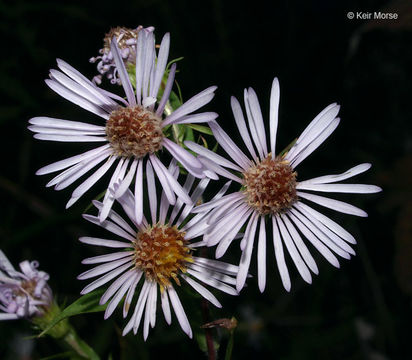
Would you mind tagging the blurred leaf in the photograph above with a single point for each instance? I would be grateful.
(64, 355)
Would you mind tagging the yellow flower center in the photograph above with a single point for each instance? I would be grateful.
(161, 251)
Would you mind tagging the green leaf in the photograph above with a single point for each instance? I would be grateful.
(64, 355)
(88, 303)
(201, 128)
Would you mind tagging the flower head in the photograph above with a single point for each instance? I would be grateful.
(271, 195)
(127, 42)
(133, 130)
(160, 253)
(23, 294)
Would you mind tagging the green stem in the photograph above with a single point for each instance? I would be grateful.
(229, 347)
(64, 333)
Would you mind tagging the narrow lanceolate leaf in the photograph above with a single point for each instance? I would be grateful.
(200, 128)
(86, 304)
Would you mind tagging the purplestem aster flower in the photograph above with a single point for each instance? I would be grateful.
(127, 42)
(160, 253)
(133, 128)
(270, 193)
(23, 294)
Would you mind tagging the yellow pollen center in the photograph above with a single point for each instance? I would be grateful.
(270, 185)
(134, 131)
(161, 251)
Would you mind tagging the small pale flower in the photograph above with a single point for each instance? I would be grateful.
(132, 131)
(25, 293)
(158, 253)
(127, 42)
(271, 195)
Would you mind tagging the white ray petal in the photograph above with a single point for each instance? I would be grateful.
(293, 252)
(116, 218)
(168, 190)
(138, 194)
(229, 146)
(230, 280)
(217, 266)
(122, 72)
(134, 321)
(241, 125)
(220, 160)
(151, 189)
(333, 204)
(107, 257)
(217, 202)
(105, 278)
(321, 236)
(329, 233)
(191, 105)
(212, 282)
(340, 188)
(229, 235)
(211, 165)
(280, 257)
(86, 83)
(195, 197)
(68, 177)
(130, 293)
(261, 255)
(104, 242)
(48, 122)
(323, 249)
(167, 90)
(202, 291)
(76, 99)
(315, 127)
(117, 284)
(303, 250)
(109, 198)
(62, 164)
(183, 156)
(119, 295)
(356, 170)
(166, 307)
(175, 186)
(80, 90)
(274, 115)
(89, 182)
(336, 228)
(179, 311)
(257, 119)
(69, 138)
(315, 143)
(124, 185)
(244, 264)
(105, 268)
(110, 226)
(149, 54)
(204, 117)
(161, 64)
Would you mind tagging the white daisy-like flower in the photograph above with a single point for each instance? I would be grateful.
(132, 132)
(156, 255)
(271, 194)
(127, 42)
(23, 294)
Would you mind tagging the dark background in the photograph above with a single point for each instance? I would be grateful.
(361, 311)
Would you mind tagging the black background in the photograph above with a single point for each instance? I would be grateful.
(361, 311)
